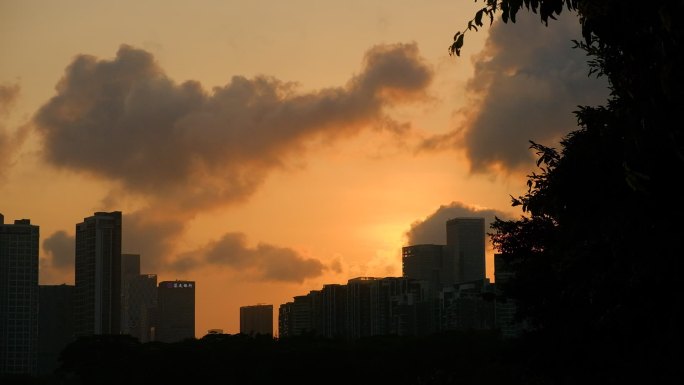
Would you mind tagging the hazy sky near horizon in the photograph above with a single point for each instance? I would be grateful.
(265, 148)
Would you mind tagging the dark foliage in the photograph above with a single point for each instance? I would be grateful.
(595, 256)
(452, 358)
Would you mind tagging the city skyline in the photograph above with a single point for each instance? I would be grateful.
(291, 148)
(116, 300)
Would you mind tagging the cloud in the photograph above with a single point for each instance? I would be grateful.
(153, 234)
(60, 246)
(8, 95)
(9, 141)
(184, 149)
(432, 229)
(264, 261)
(125, 120)
(527, 82)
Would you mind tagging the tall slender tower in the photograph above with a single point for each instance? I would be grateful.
(97, 307)
(466, 240)
(130, 270)
(18, 297)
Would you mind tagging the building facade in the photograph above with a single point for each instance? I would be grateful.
(18, 297)
(506, 320)
(285, 326)
(55, 324)
(256, 319)
(466, 242)
(428, 262)
(334, 310)
(140, 304)
(176, 311)
(130, 270)
(97, 296)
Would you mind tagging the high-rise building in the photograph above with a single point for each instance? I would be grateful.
(506, 308)
(301, 315)
(334, 309)
(468, 306)
(359, 317)
(428, 262)
(176, 311)
(130, 270)
(256, 319)
(97, 296)
(466, 241)
(140, 305)
(55, 324)
(18, 297)
(285, 320)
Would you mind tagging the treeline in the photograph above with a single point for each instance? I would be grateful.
(464, 357)
(475, 357)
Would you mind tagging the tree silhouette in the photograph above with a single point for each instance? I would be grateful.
(595, 255)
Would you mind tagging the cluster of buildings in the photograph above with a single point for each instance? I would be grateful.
(110, 296)
(442, 288)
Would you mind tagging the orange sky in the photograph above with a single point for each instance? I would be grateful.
(265, 148)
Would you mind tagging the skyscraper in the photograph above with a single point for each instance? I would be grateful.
(142, 306)
(466, 241)
(428, 262)
(176, 310)
(256, 319)
(97, 296)
(18, 296)
(334, 309)
(55, 324)
(359, 317)
(130, 270)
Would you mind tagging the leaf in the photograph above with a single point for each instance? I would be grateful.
(458, 43)
(478, 17)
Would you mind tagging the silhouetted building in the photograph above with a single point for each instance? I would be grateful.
(317, 327)
(285, 320)
(97, 306)
(176, 311)
(359, 307)
(55, 324)
(301, 316)
(334, 310)
(138, 299)
(412, 307)
(466, 242)
(256, 319)
(18, 297)
(430, 263)
(130, 269)
(140, 303)
(468, 306)
(505, 308)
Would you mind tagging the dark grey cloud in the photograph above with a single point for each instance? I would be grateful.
(153, 234)
(125, 120)
(527, 82)
(185, 149)
(60, 247)
(263, 262)
(432, 229)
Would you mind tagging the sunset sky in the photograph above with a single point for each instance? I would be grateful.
(265, 148)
